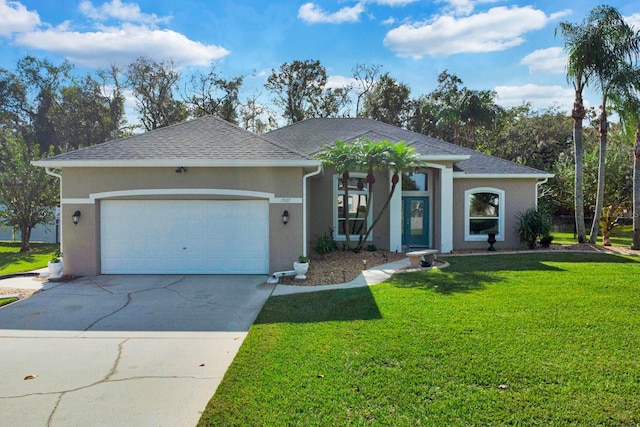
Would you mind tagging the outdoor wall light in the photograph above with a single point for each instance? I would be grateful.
(285, 217)
(76, 217)
(181, 169)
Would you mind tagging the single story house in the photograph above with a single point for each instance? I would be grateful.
(208, 197)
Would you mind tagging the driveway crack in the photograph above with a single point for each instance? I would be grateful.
(110, 314)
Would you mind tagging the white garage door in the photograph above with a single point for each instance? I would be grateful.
(184, 237)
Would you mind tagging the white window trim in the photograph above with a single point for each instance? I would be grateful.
(482, 237)
(337, 190)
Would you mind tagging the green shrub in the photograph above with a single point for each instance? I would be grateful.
(325, 243)
(532, 224)
(372, 248)
(545, 241)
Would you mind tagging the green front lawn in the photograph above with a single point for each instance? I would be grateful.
(535, 339)
(13, 261)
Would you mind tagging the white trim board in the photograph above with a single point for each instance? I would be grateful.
(181, 192)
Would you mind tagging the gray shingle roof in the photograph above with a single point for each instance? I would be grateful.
(309, 136)
(207, 138)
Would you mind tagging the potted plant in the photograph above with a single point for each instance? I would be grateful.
(301, 266)
(55, 265)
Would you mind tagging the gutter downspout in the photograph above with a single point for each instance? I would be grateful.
(304, 207)
(538, 184)
(50, 171)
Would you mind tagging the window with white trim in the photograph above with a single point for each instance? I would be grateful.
(356, 203)
(483, 213)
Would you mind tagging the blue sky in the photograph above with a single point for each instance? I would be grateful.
(503, 45)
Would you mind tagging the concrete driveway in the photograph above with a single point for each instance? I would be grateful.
(123, 350)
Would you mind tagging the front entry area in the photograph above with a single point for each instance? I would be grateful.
(184, 236)
(415, 212)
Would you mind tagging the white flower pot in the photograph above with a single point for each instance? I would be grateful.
(55, 269)
(301, 269)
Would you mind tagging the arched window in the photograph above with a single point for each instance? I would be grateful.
(483, 213)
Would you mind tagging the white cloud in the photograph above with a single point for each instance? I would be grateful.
(462, 7)
(551, 60)
(312, 13)
(389, 21)
(499, 28)
(392, 3)
(14, 18)
(121, 45)
(125, 12)
(633, 20)
(334, 82)
(538, 96)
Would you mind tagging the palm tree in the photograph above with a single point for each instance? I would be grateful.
(614, 45)
(343, 157)
(575, 40)
(396, 157)
(367, 155)
(626, 101)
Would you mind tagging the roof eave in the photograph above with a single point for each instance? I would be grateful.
(173, 163)
(465, 175)
(445, 157)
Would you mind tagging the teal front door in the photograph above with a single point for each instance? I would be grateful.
(415, 215)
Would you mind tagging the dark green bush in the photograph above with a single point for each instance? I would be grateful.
(545, 241)
(372, 248)
(325, 243)
(533, 224)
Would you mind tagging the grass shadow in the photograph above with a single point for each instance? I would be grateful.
(324, 306)
(444, 282)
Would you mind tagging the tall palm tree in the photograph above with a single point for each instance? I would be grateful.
(575, 44)
(614, 45)
(626, 102)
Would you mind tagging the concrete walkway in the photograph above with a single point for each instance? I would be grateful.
(122, 350)
(372, 276)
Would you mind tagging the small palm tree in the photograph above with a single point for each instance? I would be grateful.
(366, 155)
(343, 157)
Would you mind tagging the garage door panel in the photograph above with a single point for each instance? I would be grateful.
(184, 237)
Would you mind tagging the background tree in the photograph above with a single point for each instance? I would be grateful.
(29, 94)
(153, 84)
(27, 193)
(333, 103)
(388, 102)
(366, 77)
(84, 116)
(257, 117)
(534, 138)
(460, 112)
(209, 93)
(298, 87)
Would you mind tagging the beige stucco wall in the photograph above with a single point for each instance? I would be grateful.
(81, 242)
(520, 194)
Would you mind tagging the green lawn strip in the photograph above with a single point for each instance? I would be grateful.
(14, 261)
(535, 339)
(5, 301)
(620, 236)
